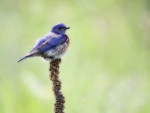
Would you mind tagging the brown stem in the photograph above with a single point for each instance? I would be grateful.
(54, 72)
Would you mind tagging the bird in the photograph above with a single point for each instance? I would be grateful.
(51, 46)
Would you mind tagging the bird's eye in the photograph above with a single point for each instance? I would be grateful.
(60, 28)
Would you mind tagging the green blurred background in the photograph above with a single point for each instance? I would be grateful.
(106, 69)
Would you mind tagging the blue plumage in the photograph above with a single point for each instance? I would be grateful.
(51, 46)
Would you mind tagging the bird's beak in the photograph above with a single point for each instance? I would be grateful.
(67, 28)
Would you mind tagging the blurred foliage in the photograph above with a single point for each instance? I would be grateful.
(106, 69)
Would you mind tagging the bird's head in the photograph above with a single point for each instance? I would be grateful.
(59, 28)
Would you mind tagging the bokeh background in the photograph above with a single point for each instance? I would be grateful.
(106, 69)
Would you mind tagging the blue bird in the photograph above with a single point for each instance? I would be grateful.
(51, 46)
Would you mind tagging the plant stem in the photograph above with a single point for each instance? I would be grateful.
(54, 72)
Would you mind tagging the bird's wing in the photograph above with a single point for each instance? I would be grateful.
(48, 43)
(44, 44)
(40, 41)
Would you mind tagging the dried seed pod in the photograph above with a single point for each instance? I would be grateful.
(54, 71)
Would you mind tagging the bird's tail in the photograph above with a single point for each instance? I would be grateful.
(26, 56)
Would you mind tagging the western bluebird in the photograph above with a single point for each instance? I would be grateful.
(52, 46)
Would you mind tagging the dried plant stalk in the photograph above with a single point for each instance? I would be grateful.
(54, 72)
